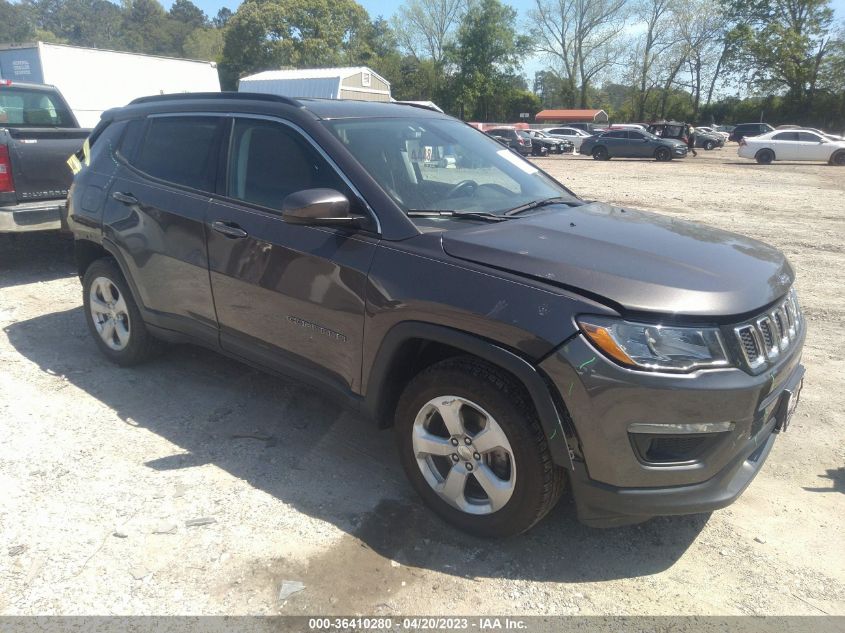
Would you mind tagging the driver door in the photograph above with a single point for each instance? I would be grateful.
(290, 297)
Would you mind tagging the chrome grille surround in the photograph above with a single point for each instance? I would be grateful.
(771, 334)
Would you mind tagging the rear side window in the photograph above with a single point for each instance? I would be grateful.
(181, 150)
(22, 107)
(785, 136)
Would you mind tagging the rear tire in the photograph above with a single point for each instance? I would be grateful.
(600, 153)
(765, 157)
(441, 421)
(663, 154)
(113, 317)
(709, 145)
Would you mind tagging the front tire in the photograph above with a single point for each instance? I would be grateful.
(600, 153)
(113, 317)
(765, 157)
(838, 159)
(663, 154)
(473, 448)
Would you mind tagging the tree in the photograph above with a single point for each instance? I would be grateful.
(582, 37)
(222, 18)
(15, 27)
(426, 27)
(275, 33)
(205, 44)
(188, 13)
(781, 45)
(655, 14)
(486, 53)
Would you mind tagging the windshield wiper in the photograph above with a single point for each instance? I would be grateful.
(536, 204)
(449, 213)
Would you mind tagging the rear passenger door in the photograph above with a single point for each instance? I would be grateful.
(288, 296)
(785, 146)
(155, 215)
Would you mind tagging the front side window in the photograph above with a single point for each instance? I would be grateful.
(809, 137)
(23, 107)
(428, 164)
(616, 134)
(269, 161)
(183, 150)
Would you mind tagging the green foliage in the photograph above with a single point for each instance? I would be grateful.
(486, 54)
(14, 25)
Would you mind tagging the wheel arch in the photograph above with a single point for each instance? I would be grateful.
(410, 347)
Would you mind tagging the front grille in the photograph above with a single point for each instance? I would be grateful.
(768, 336)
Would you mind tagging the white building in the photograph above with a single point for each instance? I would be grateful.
(357, 82)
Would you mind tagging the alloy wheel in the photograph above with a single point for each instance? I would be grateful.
(464, 455)
(109, 313)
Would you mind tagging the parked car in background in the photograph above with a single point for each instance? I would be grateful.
(553, 144)
(792, 145)
(537, 149)
(38, 132)
(520, 341)
(712, 130)
(510, 137)
(679, 131)
(571, 134)
(632, 144)
(749, 129)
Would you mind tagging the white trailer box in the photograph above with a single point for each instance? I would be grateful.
(93, 80)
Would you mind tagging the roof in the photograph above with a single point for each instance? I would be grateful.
(326, 109)
(568, 115)
(39, 43)
(322, 83)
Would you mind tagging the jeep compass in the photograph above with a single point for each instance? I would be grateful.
(518, 339)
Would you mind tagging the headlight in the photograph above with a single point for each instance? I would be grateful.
(655, 347)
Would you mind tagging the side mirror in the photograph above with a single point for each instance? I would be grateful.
(323, 207)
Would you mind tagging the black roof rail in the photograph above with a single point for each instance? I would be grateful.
(240, 96)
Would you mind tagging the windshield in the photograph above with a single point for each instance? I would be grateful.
(22, 107)
(444, 165)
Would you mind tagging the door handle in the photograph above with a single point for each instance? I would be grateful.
(125, 198)
(229, 230)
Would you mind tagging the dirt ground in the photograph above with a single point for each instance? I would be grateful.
(102, 469)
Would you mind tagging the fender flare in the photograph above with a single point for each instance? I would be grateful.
(533, 381)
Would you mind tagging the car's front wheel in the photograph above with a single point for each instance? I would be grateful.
(472, 446)
(113, 317)
(600, 153)
(838, 159)
(663, 154)
(765, 156)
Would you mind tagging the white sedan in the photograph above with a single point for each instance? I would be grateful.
(570, 134)
(711, 130)
(792, 145)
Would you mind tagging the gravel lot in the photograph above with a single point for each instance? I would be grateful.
(102, 470)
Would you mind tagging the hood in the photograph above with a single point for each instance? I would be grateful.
(637, 260)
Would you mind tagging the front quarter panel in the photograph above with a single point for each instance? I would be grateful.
(415, 281)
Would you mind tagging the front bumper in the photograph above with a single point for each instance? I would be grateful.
(31, 216)
(614, 483)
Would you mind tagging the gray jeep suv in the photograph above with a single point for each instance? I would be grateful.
(520, 340)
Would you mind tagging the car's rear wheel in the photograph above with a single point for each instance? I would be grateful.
(113, 317)
(600, 153)
(663, 154)
(765, 156)
(708, 145)
(472, 446)
(838, 159)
